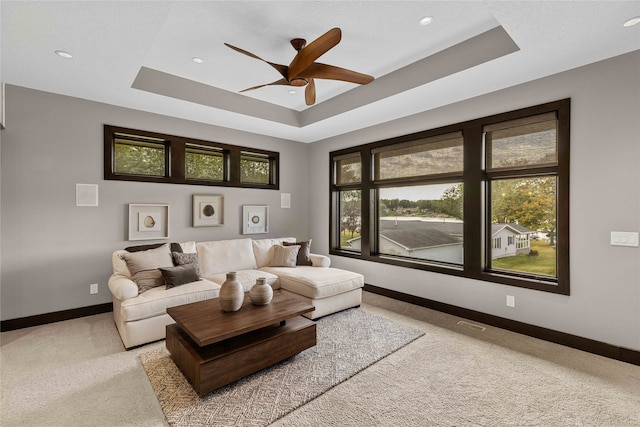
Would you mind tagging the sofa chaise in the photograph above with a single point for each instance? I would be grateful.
(148, 280)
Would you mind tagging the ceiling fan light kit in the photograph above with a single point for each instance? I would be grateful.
(303, 70)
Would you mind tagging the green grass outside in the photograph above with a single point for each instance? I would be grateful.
(543, 263)
(346, 235)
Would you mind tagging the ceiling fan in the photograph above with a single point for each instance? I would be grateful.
(303, 69)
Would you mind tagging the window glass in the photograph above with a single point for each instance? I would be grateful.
(350, 219)
(132, 155)
(428, 156)
(139, 156)
(254, 168)
(422, 222)
(523, 214)
(204, 163)
(348, 169)
(522, 143)
(486, 199)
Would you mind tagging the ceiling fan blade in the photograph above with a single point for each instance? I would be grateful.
(283, 82)
(310, 93)
(308, 54)
(282, 69)
(330, 72)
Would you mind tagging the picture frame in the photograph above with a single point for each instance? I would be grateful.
(148, 221)
(208, 210)
(255, 219)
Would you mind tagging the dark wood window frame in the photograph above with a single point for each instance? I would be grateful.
(475, 180)
(175, 160)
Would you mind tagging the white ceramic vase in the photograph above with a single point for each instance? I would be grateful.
(261, 293)
(231, 293)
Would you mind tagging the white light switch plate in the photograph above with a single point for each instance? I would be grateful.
(624, 238)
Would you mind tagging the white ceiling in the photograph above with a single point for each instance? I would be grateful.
(137, 54)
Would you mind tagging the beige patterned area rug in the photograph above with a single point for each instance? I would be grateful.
(348, 342)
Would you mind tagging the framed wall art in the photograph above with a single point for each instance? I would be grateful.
(255, 219)
(148, 222)
(208, 210)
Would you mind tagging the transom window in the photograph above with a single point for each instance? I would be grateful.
(133, 155)
(139, 155)
(485, 199)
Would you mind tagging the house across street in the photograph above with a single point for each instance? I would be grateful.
(440, 239)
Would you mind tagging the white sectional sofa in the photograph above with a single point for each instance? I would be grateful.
(141, 317)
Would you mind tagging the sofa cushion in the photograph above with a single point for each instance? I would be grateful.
(155, 301)
(314, 282)
(284, 256)
(143, 266)
(263, 249)
(247, 278)
(223, 256)
(119, 264)
(179, 275)
(304, 255)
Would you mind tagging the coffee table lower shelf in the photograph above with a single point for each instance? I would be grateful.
(219, 364)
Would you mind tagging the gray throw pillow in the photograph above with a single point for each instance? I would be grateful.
(304, 254)
(179, 275)
(180, 258)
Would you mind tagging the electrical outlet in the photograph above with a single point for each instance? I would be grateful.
(511, 301)
(624, 238)
(93, 288)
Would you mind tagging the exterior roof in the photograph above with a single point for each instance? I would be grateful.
(416, 239)
(518, 229)
(416, 234)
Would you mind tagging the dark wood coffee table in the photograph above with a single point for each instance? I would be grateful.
(213, 348)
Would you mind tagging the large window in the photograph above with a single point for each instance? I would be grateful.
(485, 199)
(133, 155)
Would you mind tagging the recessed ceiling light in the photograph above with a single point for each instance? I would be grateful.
(63, 54)
(631, 22)
(197, 60)
(292, 92)
(426, 20)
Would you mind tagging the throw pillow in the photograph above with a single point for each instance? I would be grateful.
(179, 275)
(143, 266)
(180, 258)
(175, 247)
(284, 256)
(304, 254)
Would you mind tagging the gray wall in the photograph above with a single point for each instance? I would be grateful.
(605, 196)
(52, 250)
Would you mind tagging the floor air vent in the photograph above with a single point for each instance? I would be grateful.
(471, 325)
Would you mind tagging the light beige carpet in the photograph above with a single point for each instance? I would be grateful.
(347, 342)
(77, 373)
